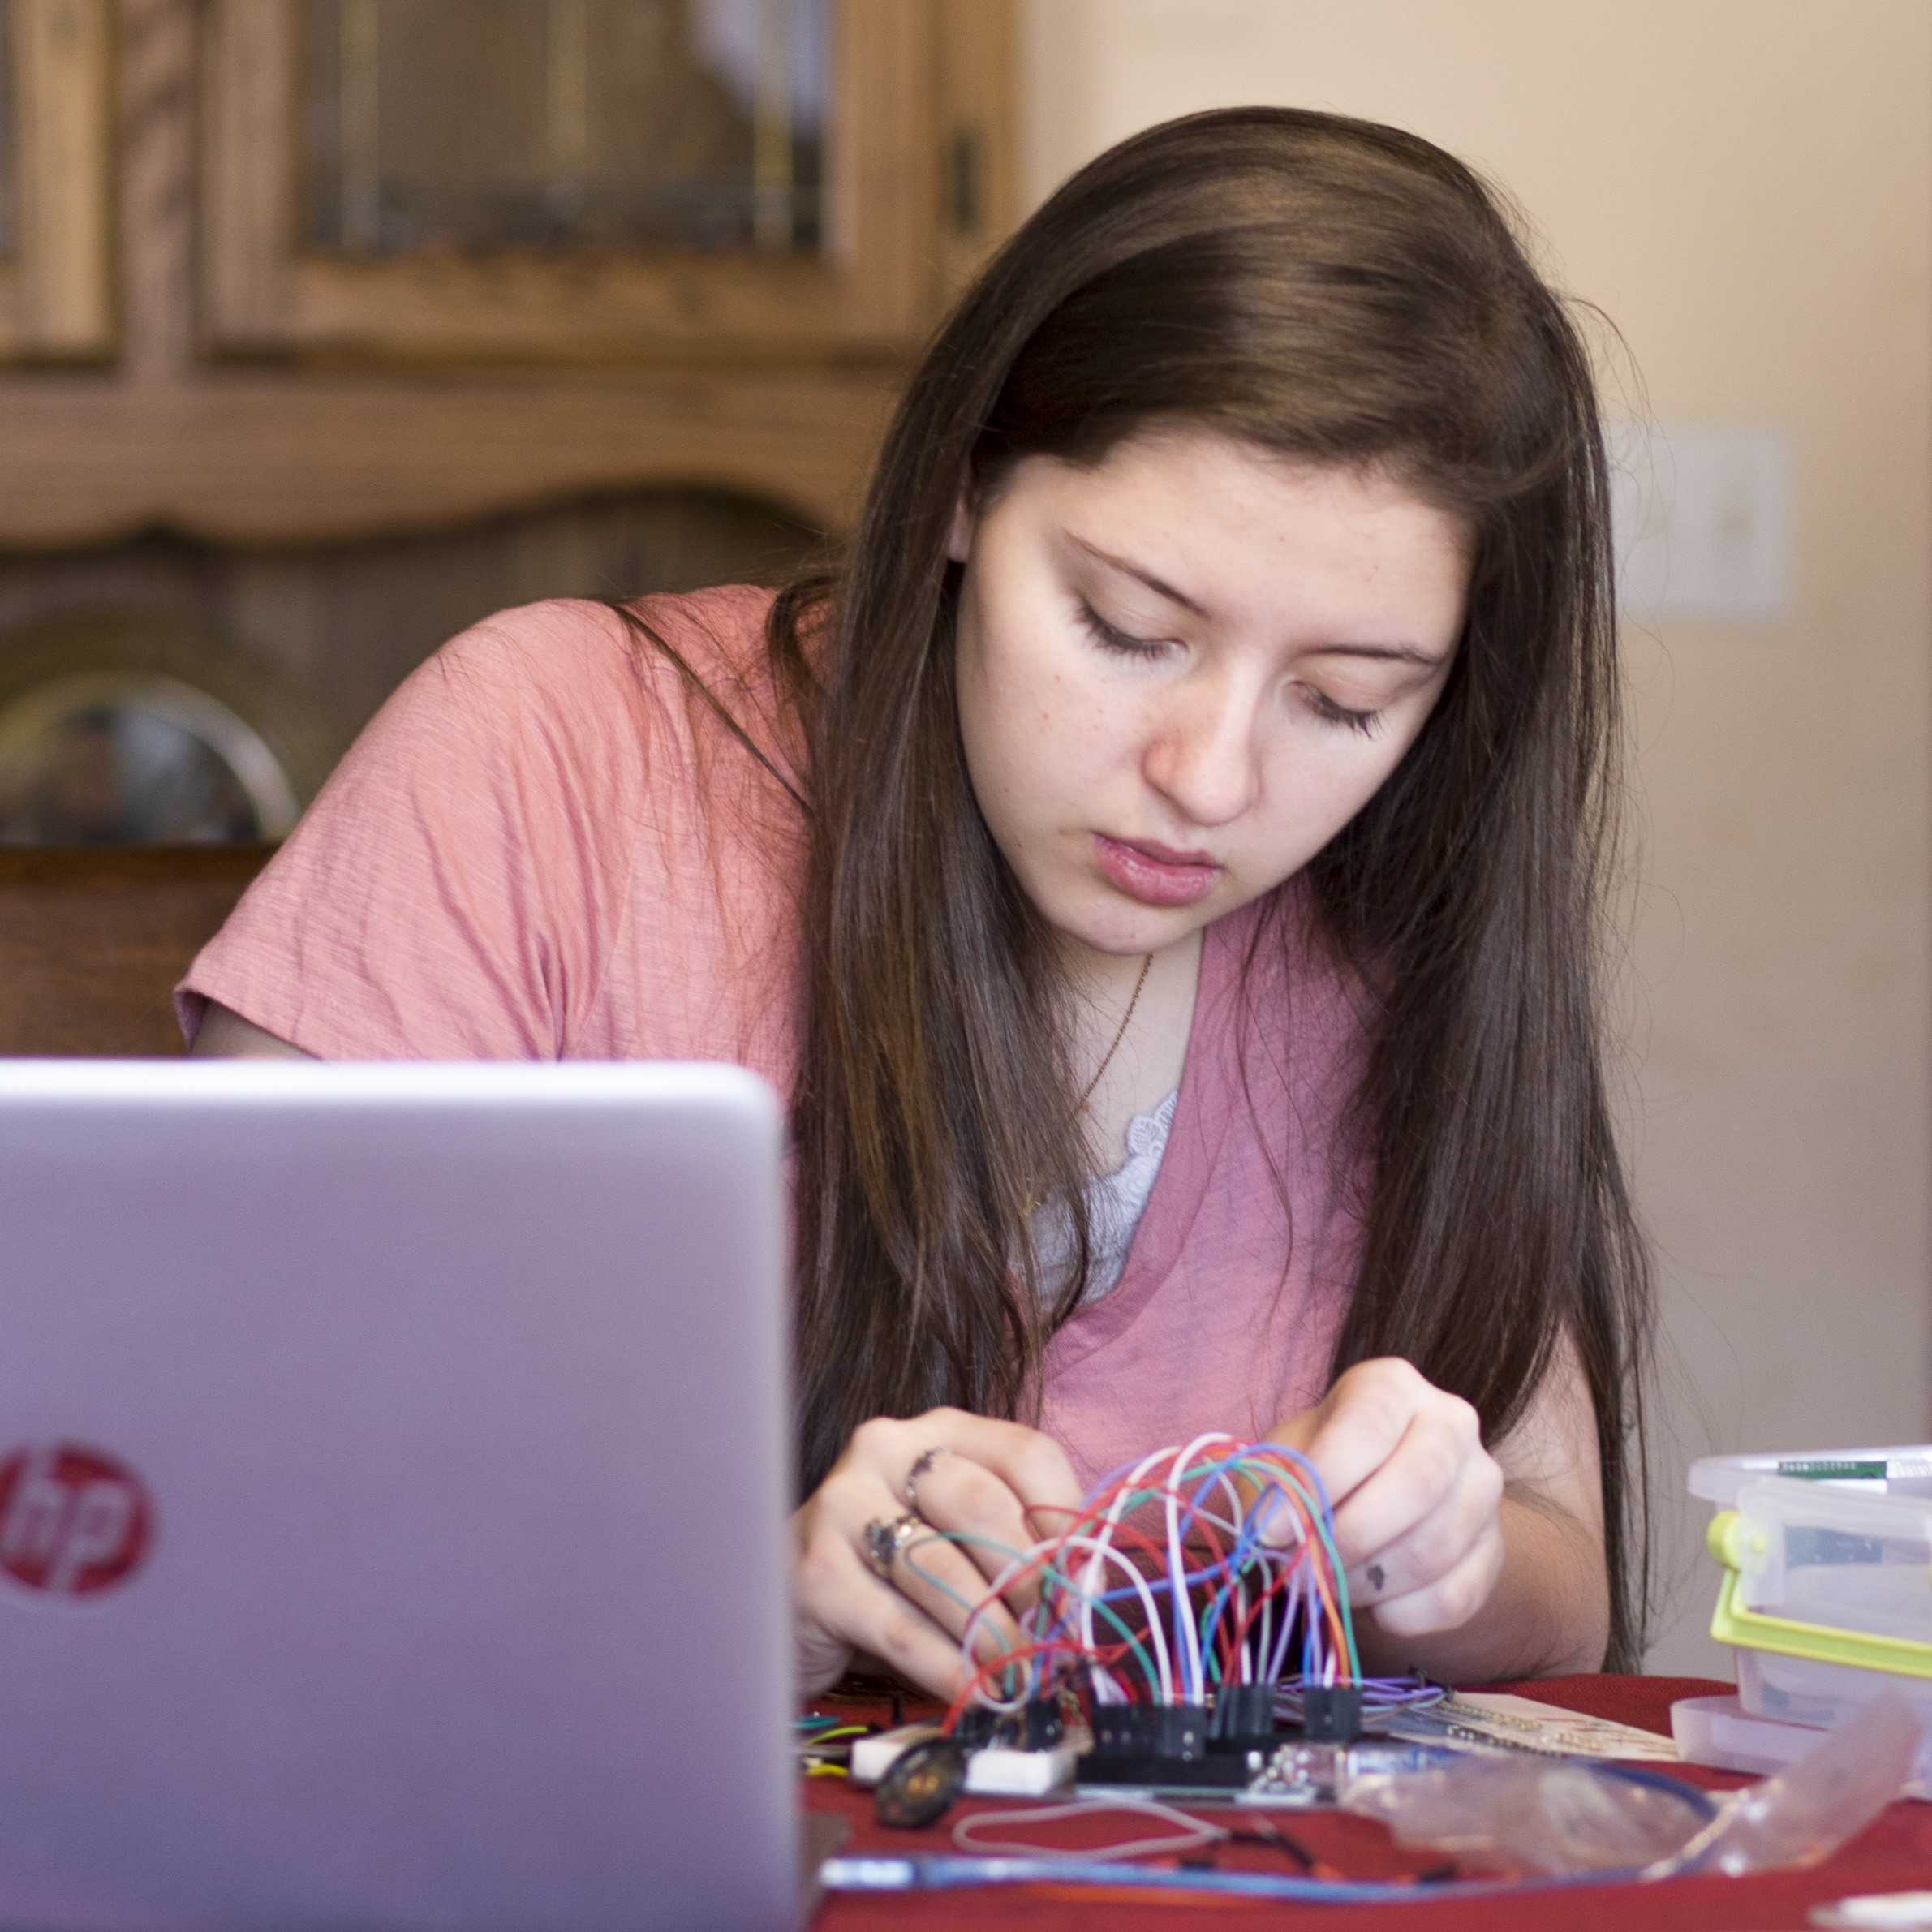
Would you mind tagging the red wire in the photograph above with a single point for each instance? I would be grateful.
(1205, 1561)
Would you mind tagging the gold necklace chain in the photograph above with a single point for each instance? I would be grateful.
(1127, 1018)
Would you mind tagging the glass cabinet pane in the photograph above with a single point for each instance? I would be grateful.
(474, 126)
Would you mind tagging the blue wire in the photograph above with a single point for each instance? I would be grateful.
(940, 1871)
(931, 1871)
(1700, 1801)
(1295, 1474)
(1301, 1477)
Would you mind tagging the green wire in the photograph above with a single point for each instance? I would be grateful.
(1056, 1575)
(1286, 1477)
(1050, 1569)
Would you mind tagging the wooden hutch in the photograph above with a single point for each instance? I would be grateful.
(279, 279)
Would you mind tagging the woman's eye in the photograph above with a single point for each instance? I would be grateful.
(1109, 638)
(1325, 707)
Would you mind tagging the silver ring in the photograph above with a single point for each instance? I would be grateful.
(926, 1458)
(884, 1541)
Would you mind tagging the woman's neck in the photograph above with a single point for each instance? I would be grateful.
(1145, 1067)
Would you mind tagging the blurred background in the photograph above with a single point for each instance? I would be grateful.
(327, 326)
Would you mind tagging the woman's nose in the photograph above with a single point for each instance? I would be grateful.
(1202, 756)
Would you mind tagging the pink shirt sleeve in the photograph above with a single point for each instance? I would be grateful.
(455, 891)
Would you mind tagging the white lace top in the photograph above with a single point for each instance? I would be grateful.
(1115, 1203)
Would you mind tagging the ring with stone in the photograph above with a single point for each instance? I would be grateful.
(926, 1458)
(883, 1540)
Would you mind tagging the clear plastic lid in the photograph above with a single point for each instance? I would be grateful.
(1904, 1470)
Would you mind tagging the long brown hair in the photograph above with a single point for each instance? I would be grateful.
(1333, 291)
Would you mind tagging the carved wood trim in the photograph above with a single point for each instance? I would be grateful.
(265, 459)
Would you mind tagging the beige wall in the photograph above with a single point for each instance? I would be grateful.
(1745, 186)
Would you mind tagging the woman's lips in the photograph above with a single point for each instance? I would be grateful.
(1153, 879)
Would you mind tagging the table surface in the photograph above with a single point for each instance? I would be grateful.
(1893, 1854)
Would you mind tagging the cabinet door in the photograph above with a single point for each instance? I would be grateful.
(683, 181)
(56, 281)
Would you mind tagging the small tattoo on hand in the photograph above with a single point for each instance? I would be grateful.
(1376, 1576)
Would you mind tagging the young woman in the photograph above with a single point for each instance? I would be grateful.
(1160, 870)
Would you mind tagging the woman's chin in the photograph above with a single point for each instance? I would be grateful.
(1126, 932)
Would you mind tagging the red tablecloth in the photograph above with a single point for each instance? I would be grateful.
(1894, 1854)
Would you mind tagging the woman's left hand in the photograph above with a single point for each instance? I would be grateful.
(1418, 1499)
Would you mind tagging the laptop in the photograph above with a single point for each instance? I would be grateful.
(394, 1475)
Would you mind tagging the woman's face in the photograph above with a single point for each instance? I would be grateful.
(1182, 672)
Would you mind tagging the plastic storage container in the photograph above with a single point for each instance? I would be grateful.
(1827, 1588)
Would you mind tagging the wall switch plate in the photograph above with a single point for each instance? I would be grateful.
(1703, 517)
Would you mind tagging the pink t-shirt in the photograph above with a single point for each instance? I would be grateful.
(547, 847)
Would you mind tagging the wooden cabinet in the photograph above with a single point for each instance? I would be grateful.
(266, 382)
(56, 271)
(912, 89)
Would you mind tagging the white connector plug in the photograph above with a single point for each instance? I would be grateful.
(873, 1756)
(993, 1772)
(1000, 1772)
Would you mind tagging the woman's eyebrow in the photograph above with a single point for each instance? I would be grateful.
(1396, 653)
(1428, 660)
(1146, 577)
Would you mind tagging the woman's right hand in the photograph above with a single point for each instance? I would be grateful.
(1000, 1482)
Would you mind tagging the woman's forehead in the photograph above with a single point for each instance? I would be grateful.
(1212, 522)
(1167, 462)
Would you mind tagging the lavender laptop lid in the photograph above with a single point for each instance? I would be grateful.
(392, 1480)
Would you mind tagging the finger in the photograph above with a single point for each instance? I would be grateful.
(1032, 1465)
(999, 1486)
(1360, 1420)
(1450, 1600)
(898, 1632)
(945, 1583)
(948, 1587)
(1433, 1547)
(964, 1496)
(1438, 1453)
(1349, 1433)
(848, 1602)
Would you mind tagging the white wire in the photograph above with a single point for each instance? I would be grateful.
(1230, 1526)
(1193, 1677)
(1163, 1661)
(1101, 1553)
(1102, 1542)
(1181, 1674)
(1030, 1624)
(1188, 1831)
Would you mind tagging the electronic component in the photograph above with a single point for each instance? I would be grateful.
(1175, 1731)
(1244, 1717)
(1219, 1772)
(1194, 1614)
(1039, 1724)
(1302, 1776)
(924, 1781)
(1161, 1745)
(873, 1756)
(994, 1770)
(998, 1772)
(1170, 1608)
(1332, 1713)
(1022, 1753)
